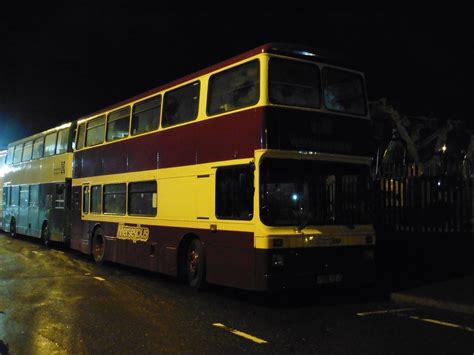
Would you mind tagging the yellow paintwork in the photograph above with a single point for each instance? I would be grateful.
(51, 169)
(186, 198)
(55, 168)
(314, 236)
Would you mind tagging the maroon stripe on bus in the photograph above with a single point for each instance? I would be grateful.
(224, 138)
(230, 256)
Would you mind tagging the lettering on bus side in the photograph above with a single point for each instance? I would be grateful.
(134, 233)
(60, 170)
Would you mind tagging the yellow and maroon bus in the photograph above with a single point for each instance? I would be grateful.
(37, 185)
(252, 173)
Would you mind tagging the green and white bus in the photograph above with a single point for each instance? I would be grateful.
(37, 183)
(3, 154)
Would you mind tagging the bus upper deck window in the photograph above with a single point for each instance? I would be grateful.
(38, 148)
(146, 115)
(294, 83)
(95, 131)
(81, 135)
(118, 123)
(234, 88)
(181, 105)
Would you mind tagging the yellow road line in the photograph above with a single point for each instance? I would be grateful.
(362, 314)
(239, 333)
(99, 278)
(446, 324)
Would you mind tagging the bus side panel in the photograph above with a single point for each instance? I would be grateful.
(230, 258)
(33, 210)
(79, 230)
(200, 142)
(58, 220)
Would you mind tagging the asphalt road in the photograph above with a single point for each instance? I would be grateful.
(55, 301)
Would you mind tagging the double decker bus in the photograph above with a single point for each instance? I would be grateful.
(37, 185)
(3, 154)
(252, 173)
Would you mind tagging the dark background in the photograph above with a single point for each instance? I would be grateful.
(60, 61)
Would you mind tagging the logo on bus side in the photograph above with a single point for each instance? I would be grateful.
(133, 233)
(60, 170)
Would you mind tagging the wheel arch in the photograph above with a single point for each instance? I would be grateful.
(96, 226)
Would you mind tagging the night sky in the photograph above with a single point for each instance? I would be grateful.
(61, 62)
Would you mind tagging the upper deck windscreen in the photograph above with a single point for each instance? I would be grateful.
(300, 84)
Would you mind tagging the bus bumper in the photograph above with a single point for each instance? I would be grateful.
(279, 269)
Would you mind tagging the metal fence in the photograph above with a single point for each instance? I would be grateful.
(407, 201)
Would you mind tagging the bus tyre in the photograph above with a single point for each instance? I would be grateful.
(98, 246)
(45, 234)
(13, 228)
(195, 264)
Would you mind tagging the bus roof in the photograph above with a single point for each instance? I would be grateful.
(274, 47)
(36, 135)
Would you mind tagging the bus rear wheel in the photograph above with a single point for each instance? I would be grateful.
(195, 264)
(13, 228)
(98, 246)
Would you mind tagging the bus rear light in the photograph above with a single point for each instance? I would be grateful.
(278, 260)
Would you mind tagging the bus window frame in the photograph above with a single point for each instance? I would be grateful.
(23, 153)
(33, 157)
(104, 193)
(66, 132)
(233, 169)
(226, 71)
(101, 199)
(318, 66)
(79, 144)
(103, 124)
(166, 123)
(138, 103)
(109, 121)
(9, 158)
(83, 188)
(55, 133)
(154, 198)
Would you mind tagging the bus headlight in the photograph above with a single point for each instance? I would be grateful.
(278, 260)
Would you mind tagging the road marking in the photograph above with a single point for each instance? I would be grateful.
(362, 314)
(34, 251)
(239, 333)
(99, 278)
(87, 273)
(446, 324)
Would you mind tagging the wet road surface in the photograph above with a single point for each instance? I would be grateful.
(55, 301)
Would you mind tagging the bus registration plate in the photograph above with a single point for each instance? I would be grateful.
(329, 278)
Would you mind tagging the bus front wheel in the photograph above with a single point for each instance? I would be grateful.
(98, 246)
(195, 264)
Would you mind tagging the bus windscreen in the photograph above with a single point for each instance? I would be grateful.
(298, 84)
(300, 193)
